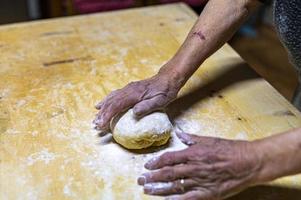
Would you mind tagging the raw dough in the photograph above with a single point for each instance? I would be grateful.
(151, 130)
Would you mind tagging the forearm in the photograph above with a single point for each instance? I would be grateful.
(280, 155)
(215, 26)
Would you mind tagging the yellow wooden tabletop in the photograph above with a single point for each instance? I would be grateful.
(53, 72)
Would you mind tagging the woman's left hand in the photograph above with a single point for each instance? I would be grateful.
(210, 168)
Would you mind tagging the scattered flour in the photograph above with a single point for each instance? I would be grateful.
(242, 136)
(67, 188)
(188, 126)
(21, 103)
(34, 133)
(43, 155)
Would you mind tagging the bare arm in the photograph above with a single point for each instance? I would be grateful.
(281, 155)
(215, 26)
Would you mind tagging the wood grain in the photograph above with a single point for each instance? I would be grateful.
(53, 72)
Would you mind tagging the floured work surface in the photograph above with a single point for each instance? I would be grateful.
(53, 72)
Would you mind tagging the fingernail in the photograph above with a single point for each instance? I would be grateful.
(150, 163)
(102, 133)
(97, 128)
(137, 114)
(185, 138)
(135, 111)
(96, 121)
(151, 188)
(141, 180)
(189, 143)
(99, 122)
(148, 188)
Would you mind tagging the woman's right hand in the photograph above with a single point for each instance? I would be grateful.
(144, 96)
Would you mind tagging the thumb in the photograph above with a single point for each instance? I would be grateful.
(190, 139)
(147, 106)
(187, 139)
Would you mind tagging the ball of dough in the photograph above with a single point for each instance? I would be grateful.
(152, 130)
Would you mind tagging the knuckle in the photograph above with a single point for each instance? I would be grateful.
(138, 110)
(172, 95)
(168, 157)
(153, 106)
(178, 187)
(196, 169)
(192, 157)
(138, 87)
(161, 102)
(169, 173)
(164, 156)
(210, 168)
(134, 89)
(103, 128)
(150, 177)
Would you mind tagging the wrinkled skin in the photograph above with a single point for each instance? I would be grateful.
(211, 168)
(144, 96)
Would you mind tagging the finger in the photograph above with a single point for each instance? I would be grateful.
(112, 108)
(190, 139)
(193, 195)
(149, 105)
(106, 99)
(98, 106)
(101, 133)
(102, 122)
(167, 174)
(187, 139)
(169, 188)
(167, 159)
(105, 106)
(98, 121)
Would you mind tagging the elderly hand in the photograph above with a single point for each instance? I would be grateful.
(145, 96)
(210, 168)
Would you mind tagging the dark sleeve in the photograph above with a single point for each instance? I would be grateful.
(265, 1)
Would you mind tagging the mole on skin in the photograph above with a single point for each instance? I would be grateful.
(200, 35)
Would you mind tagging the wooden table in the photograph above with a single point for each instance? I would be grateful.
(53, 72)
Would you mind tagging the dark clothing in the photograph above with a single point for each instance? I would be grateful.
(287, 16)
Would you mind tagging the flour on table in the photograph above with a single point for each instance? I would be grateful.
(44, 156)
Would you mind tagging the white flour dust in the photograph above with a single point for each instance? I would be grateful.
(43, 155)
